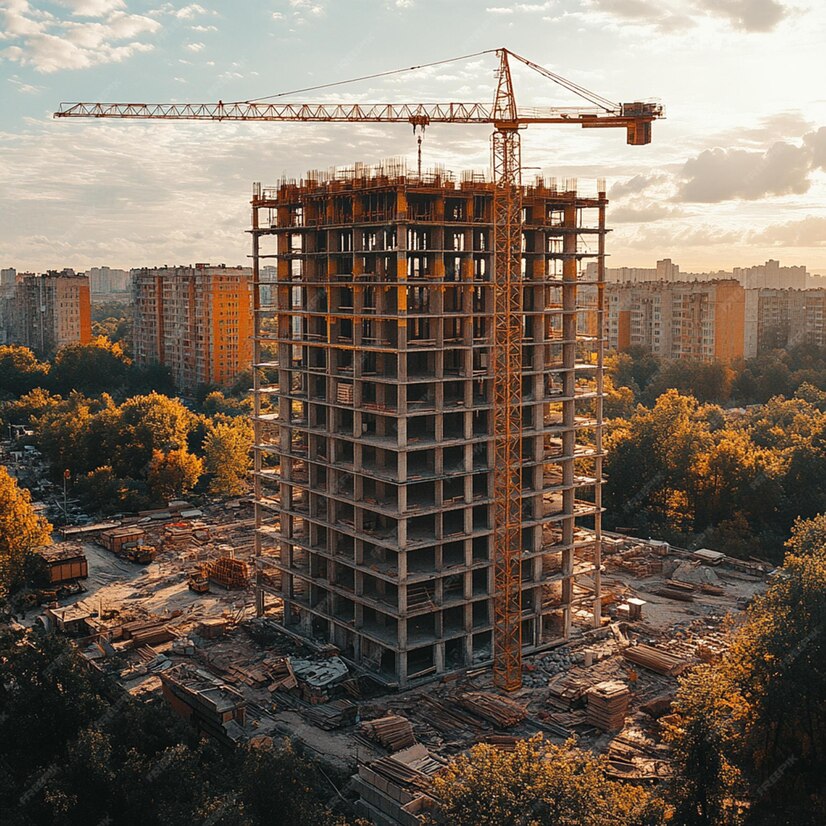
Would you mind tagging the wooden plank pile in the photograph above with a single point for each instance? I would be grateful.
(329, 716)
(501, 712)
(447, 717)
(394, 732)
(655, 659)
(147, 632)
(229, 572)
(674, 589)
(503, 742)
(566, 691)
(607, 705)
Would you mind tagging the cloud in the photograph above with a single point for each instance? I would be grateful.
(49, 44)
(675, 15)
(193, 10)
(635, 185)
(204, 28)
(642, 12)
(195, 47)
(724, 174)
(645, 214)
(808, 232)
(747, 15)
(816, 143)
(92, 8)
(521, 7)
(24, 88)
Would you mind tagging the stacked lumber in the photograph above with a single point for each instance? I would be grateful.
(229, 572)
(501, 712)
(394, 732)
(447, 717)
(565, 691)
(607, 705)
(655, 659)
(674, 589)
(329, 716)
(147, 632)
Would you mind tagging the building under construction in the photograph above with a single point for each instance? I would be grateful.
(374, 465)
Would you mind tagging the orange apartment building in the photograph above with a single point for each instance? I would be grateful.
(691, 320)
(195, 320)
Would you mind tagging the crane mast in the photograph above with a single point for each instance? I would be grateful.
(506, 344)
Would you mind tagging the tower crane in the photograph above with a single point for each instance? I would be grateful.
(507, 120)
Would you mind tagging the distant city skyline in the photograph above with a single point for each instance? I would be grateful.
(735, 175)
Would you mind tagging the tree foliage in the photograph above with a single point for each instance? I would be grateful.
(753, 726)
(76, 750)
(21, 531)
(173, 474)
(97, 367)
(227, 457)
(20, 371)
(538, 784)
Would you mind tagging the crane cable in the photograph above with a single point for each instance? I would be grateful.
(368, 77)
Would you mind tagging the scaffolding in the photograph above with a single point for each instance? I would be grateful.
(376, 427)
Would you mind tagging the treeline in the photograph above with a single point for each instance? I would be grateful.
(639, 377)
(99, 367)
(701, 476)
(683, 467)
(140, 453)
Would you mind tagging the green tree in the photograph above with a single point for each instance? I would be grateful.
(146, 424)
(20, 371)
(709, 712)
(21, 531)
(538, 784)
(173, 474)
(97, 367)
(227, 457)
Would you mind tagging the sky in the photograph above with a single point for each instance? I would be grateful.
(736, 173)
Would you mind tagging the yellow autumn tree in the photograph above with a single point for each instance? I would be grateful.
(21, 531)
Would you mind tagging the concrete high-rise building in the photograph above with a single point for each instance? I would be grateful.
(50, 311)
(692, 320)
(374, 450)
(195, 320)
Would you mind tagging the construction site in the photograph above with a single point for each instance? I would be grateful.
(422, 564)
(168, 608)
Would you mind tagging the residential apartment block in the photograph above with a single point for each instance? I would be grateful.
(784, 318)
(109, 284)
(374, 467)
(763, 276)
(195, 320)
(46, 312)
(693, 320)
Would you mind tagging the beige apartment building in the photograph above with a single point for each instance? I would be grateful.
(692, 320)
(47, 312)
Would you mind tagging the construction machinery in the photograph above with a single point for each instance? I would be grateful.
(507, 119)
